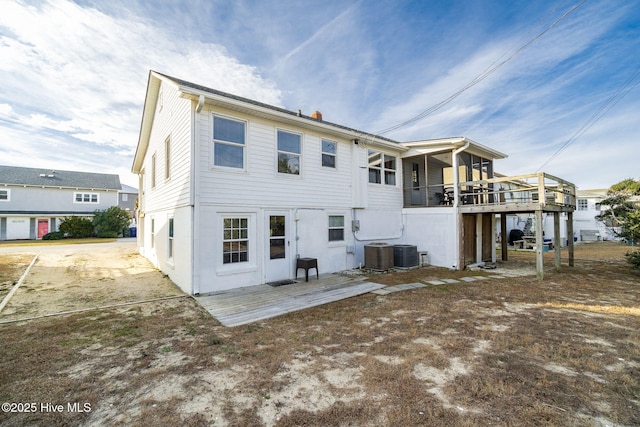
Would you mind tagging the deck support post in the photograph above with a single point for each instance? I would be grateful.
(570, 236)
(504, 239)
(539, 244)
(556, 239)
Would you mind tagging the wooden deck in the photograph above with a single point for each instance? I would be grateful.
(250, 304)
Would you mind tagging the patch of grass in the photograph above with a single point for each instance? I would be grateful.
(495, 352)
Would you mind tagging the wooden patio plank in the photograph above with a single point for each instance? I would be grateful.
(235, 309)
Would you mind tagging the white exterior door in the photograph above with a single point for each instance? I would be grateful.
(277, 251)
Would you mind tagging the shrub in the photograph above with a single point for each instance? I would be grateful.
(54, 235)
(633, 258)
(76, 227)
(111, 222)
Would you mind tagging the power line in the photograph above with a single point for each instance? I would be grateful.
(486, 73)
(620, 93)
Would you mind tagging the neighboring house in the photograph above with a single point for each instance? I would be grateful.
(33, 201)
(233, 191)
(127, 199)
(586, 226)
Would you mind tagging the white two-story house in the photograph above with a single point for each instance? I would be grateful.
(233, 191)
(33, 201)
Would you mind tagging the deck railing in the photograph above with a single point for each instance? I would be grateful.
(508, 190)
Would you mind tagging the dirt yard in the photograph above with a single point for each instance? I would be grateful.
(511, 351)
(76, 277)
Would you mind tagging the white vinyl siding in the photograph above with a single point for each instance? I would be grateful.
(170, 144)
(259, 183)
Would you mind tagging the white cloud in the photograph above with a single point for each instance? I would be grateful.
(74, 73)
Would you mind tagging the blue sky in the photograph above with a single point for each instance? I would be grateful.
(565, 74)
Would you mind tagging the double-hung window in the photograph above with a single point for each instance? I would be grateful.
(153, 170)
(228, 142)
(170, 243)
(4, 195)
(167, 158)
(235, 240)
(336, 228)
(289, 152)
(382, 167)
(328, 154)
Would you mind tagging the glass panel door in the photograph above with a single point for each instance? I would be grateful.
(277, 237)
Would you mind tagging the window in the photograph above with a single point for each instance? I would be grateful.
(328, 154)
(153, 171)
(228, 142)
(167, 158)
(289, 150)
(336, 228)
(235, 241)
(583, 204)
(85, 197)
(5, 195)
(125, 197)
(382, 165)
(170, 246)
(153, 232)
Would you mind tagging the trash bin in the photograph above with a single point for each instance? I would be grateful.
(133, 231)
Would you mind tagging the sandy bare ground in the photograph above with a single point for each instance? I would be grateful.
(73, 277)
(495, 351)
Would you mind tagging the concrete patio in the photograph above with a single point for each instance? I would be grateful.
(250, 304)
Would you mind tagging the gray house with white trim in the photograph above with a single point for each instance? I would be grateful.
(33, 201)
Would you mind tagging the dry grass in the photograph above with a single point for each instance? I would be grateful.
(513, 351)
(12, 266)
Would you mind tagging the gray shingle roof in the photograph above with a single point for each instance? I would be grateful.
(271, 107)
(15, 175)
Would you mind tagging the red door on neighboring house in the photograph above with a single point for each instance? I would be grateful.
(43, 227)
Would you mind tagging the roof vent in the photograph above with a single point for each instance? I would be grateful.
(317, 115)
(43, 175)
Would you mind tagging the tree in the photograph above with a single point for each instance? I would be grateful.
(110, 222)
(76, 227)
(624, 212)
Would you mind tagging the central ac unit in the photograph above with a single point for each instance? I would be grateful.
(405, 255)
(378, 256)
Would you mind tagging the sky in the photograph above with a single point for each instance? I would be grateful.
(555, 85)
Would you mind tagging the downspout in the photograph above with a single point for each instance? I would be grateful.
(194, 200)
(456, 198)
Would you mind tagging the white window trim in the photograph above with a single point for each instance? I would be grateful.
(167, 158)
(382, 169)
(344, 229)
(171, 241)
(238, 267)
(97, 202)
(8, 199)
(335, 156)
(300, 164)
(154, 170)
(212, 162)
